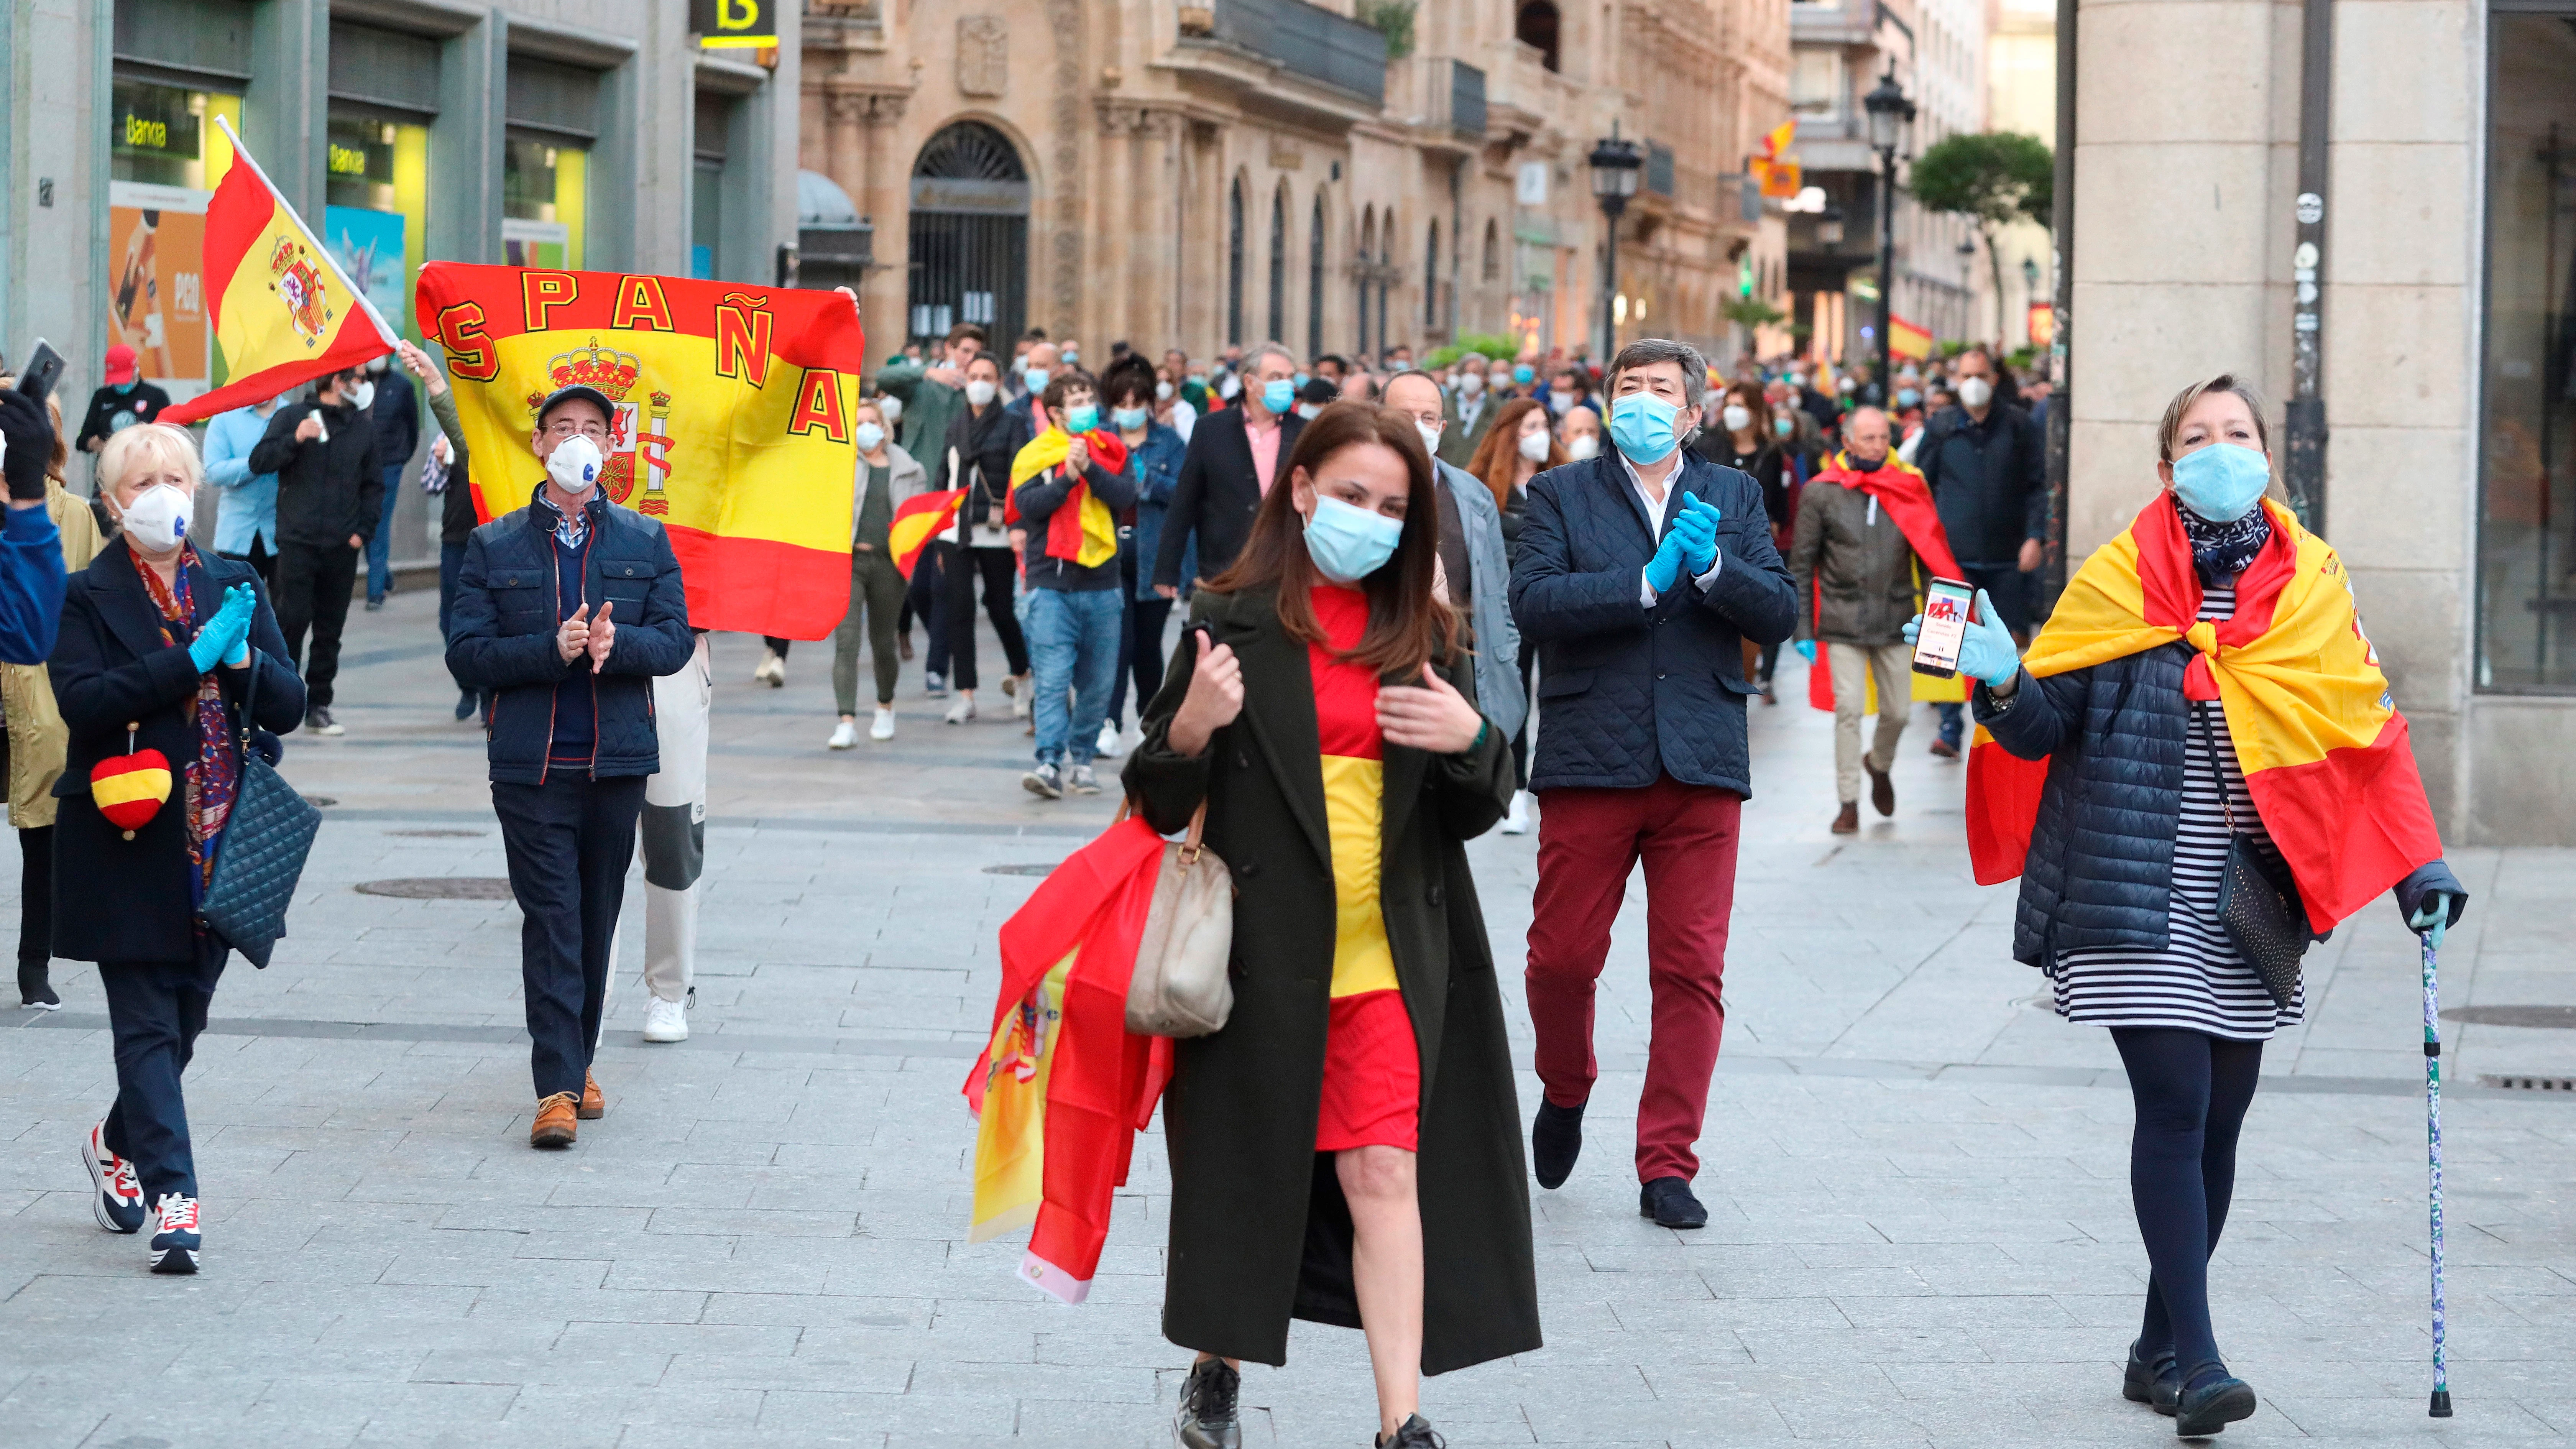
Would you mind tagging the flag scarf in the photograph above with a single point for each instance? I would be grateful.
(1063, 1087)
(1899, 489)
(282, 310)
(2325, 753)
(918, 520)
(732, 424)
(1082, 529)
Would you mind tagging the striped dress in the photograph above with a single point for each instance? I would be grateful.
(2198, 982)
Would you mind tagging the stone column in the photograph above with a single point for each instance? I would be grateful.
(1110, 300)
(884, 197)
(841, 113)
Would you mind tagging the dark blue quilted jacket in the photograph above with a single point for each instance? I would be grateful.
(1630, 693)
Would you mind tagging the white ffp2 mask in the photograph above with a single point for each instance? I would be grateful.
(574, 464)
(159, 516)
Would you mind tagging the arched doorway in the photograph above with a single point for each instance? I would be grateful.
(970, 234)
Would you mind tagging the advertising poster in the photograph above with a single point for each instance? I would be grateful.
(368, 245)
(526, 243)
(156, 242)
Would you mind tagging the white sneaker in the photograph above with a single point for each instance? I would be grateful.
(883, 729)
(960, 709)
(772, 670)
(1021, 695)
(1108, 747)
(1516, 819)
(665, 1020)
(844, 735)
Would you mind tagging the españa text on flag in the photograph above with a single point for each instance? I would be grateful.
(283, 311)
(732, 423)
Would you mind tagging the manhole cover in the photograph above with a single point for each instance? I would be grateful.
(2561, 1017)
(1019, 870)
(440, 888)
(441, 834)
(320, 802)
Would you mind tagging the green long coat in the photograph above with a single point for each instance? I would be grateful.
(1260, 1230)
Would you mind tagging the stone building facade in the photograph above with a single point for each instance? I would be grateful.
(1176, 174)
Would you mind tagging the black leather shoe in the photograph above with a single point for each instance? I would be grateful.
(2153, 1381)
(1208, 1419)
(1413, 1433)
(1669, 1202)
(2207, 1410)
(1556, 1139)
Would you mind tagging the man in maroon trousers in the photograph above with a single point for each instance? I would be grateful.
(1640, 574)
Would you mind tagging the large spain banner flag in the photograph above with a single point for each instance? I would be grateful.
(2325, 752)
(732, 428)
(284, 312)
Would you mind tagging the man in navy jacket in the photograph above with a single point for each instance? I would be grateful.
(1640, 574)
(566, 610)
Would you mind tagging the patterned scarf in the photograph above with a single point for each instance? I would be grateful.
(2220, 551)
(215, 773)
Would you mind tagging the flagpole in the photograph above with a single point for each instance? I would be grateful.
(242, 154)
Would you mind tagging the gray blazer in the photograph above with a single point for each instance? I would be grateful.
(1498, 639)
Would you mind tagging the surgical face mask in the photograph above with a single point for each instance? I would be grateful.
(1534, 447)
(1559, 400)
(1035, 377)
(1301, 381)
(1851, 384)
(1197, 379)
(870, 437)
(1865, 462)
(1498, 380)
(574, 464)
(363, 396)
(2221, 482)
(1308, 411)
(1128, 420)
(980, 391)
(1642, 425)
(1430, 435)
(378, 366)
(1907, 397)
(1470, 384)
(1349, 543)
(1737, 416)
(1277, 394)
(1524, 376)
(1797, 379)
(1162, 392)
(158, 517)
(1082, 419)
(1072, 358)
(1784, 426)
(1585, 446)
(127, 387)
(892, 409)
(1975, 392)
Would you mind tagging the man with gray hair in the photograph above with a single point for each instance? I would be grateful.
(1235, 453)
(1640, 574)
(1471, 413)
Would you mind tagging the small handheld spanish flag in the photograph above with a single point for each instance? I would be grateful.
(918, 520)
(129, 789)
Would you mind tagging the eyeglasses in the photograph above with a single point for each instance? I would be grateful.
(562, 428)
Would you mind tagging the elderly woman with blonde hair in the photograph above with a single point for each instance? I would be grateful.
(152, 670)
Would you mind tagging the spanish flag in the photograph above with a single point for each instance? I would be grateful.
(1083, 529)
(283, 311)
(1897, 487)
(2324, 751)
(918, 520)
(732, 429)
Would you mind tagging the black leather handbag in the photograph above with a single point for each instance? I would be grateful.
(2259, 913)
(260, 855)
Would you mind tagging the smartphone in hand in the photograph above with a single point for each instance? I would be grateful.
(1945, 627)
(44, 369)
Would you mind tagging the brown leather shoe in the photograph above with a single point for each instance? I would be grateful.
(1848, 822)
(594, 1103)
(1944, 750)
(554, 1126)
(1882, 788)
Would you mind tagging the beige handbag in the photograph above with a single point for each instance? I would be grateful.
(1180, 987)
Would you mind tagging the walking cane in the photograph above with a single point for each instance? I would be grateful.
(2432, 939)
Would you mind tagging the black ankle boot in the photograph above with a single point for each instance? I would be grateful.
(2152, 1381)
(1556, 1139)
(34, 990)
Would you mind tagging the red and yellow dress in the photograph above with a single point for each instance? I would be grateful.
(1372, 1068)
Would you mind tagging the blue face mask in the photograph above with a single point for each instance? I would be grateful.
(869, 435)
(1128, 420)
(1907, 397)
(1277, 395)
(1523, 377)
(123, 388)
(1035, 377)
(1347, 543)
(1301, 382)
(2221, 482)
(1784, 425)
(1642, 425)
(1082, 419)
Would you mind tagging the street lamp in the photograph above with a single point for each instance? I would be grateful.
(1615, 165)
(1891, 128)
(2029, 292)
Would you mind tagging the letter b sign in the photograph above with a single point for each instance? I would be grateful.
(734, 23)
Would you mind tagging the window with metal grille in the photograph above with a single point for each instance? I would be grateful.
(1315, 283)
(1278, 265)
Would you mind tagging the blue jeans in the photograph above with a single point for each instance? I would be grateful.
(2008, 588)
(1073, 645)
(380, 572)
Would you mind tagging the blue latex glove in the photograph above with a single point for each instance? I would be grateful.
(1697, 524)
(224, 639)
(1665, 568)
(1987, 651)
(1807, 650)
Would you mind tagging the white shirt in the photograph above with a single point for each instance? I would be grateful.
(1646, 594)
(1184, 417)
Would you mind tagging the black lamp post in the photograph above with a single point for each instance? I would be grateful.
(1891, 130)
(1615, 165)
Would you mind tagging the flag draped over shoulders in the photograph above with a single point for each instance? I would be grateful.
(732, 424)
(1083, 529)
(2324, 750)
(1899, 489)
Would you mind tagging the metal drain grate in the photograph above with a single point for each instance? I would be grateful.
(1019, 870)
(441, 834)
(2561, 1018)
(2527, 1084)
(440, 888)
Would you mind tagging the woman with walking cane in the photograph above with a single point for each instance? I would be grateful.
(1321, 706)
(2196, 772)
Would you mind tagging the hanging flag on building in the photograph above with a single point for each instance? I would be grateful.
(1779, 176)
(283, 311)
(732, 423)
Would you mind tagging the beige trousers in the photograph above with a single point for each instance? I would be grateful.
(1892, 665)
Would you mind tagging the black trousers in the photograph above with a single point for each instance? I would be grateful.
(569, 842)
(2192, 1090)
(999, 571)
(1140, 645)
(926, 598)
(154, 1011)
(261, 561)
(313, 584)
(35, 896)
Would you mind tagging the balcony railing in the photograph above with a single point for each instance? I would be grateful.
(1307, 41)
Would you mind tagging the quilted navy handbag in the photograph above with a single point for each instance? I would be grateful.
(260, 855)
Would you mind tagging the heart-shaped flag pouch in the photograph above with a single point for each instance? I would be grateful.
(129, 789)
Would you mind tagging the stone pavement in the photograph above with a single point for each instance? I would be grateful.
(1920, 1231)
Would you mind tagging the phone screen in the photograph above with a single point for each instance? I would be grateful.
(44, 367)
(1945, 624)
